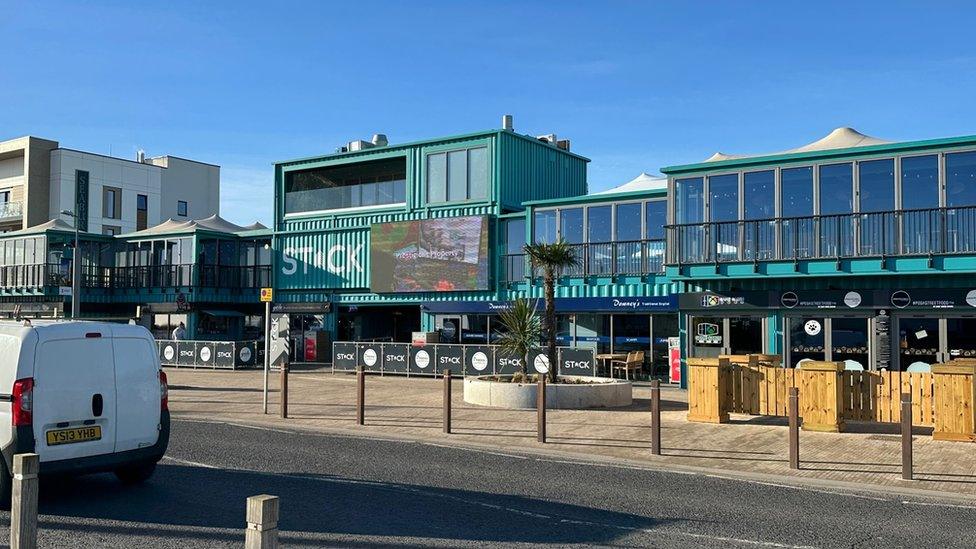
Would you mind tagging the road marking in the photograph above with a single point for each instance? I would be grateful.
(930, 504)
(803, 488)
(190, 463)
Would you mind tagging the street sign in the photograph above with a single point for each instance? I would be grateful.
(267, 295)
(64, 291)
(279, 338)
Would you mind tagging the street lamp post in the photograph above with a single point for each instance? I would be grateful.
(75, 269)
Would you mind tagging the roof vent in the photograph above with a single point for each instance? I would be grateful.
(379, 140)
(548, 138)
(508, 122)
(141, 156)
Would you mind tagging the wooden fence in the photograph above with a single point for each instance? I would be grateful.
(830, 395)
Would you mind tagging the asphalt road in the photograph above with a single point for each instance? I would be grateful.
(356, 492)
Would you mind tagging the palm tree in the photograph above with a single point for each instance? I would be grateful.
(552, 259)
(522, 330)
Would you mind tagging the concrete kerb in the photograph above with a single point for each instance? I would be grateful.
(654, 463)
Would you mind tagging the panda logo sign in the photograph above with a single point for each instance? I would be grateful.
(169, 352)
(541, 364)
(479, 361)
(369, 357)
(422, 359)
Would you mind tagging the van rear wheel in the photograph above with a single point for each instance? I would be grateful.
(135, 474)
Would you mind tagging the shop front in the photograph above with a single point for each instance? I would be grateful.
(865, 329)
(309, 335)
(607, 325)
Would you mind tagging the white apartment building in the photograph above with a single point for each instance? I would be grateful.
(39, 179)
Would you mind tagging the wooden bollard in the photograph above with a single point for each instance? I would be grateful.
(360, 395)
(23, 502)
(284, 390)
(906, 436)
(656, 417)
(794, 415)
(540, 404)
(447, 401)
(262, 522)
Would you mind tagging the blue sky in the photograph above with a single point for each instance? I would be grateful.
(635, 85)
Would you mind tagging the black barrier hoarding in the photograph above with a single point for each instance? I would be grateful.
(370, 356)
(576, 362)
(450, 357)
(223, 354)
(396, 356)
(167, 352)
(205, 353)
(477, 360)
(506, 362)
(245, 353)
(186, 353)
(344, 356)
(422, 359)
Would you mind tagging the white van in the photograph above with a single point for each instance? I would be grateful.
(87, 397)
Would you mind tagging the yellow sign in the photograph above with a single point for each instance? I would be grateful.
(266, 294)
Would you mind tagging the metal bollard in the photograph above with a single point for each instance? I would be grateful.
(906, 436)
(284, 390)
(656, 417)
(23, 502)
(794, 415)
(540, 404)
(262, 523)
(360, 396)
(447, 401)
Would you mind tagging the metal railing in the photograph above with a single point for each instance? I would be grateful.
(11, 209)
(159, 276)
(632, 257)
(878, 234)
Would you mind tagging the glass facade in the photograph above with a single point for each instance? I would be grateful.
(375, 183)
(456, 176)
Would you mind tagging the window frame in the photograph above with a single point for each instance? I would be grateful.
(446, 150)
(184, 206)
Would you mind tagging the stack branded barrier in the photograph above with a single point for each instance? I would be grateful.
(461, 360)
(226, 355)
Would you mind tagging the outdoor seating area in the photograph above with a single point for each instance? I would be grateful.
(830, 393)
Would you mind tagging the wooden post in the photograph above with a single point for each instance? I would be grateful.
(709, 389)
(794, 415)
(360, 395)
(447, 401)
(540, 404)
(823, 395)
(262, 522)
(656, 417)
(284, 389)
(906, 436)
(23, 502)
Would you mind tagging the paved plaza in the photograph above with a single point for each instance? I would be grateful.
(867, 455)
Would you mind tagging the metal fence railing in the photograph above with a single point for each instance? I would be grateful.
(464, 360)
(225, 355)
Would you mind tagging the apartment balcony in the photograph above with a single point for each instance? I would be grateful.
(624, 258)
(11, 211)
(924, 233)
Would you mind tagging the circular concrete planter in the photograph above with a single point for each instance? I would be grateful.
(601, 392)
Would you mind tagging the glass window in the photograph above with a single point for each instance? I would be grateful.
(806, 339)
(689, 200)
(514, 236)
(876, 185)
(797, 191)
(436, 178)
(961, 179)
(836, 189)
(478, 173)
(457, 175)
(598, 224)
(181, 208)
(920, 182)
(631, 333)
(723, 197)
(142, 202)
(759, 190)
(545, 227)
(655, 214)
(571, 225)
(628, 222)
(592, 331)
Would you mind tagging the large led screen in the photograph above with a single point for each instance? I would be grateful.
(433, 255)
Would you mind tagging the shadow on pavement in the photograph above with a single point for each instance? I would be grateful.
(184, 496)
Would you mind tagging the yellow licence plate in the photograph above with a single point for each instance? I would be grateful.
(71, 436)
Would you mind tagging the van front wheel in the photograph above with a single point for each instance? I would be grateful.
(135, 474)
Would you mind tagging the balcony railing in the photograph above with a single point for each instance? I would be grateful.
(931, 231)
(160, 276)
(11, 209)
(637, 257)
